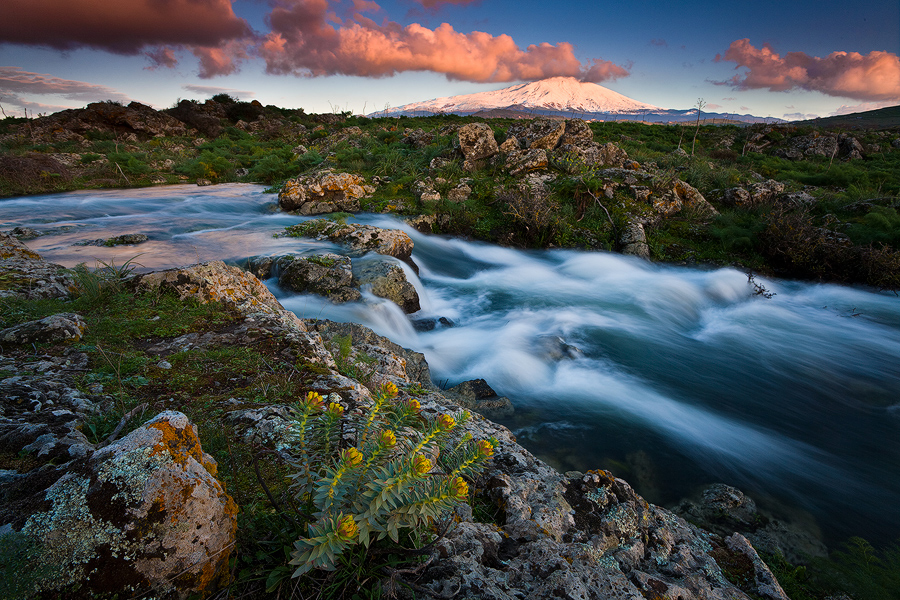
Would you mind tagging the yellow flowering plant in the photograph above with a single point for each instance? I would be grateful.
(367, 473)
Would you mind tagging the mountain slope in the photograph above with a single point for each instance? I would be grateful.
(554, 94)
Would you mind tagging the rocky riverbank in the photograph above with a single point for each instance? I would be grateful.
(149, 511)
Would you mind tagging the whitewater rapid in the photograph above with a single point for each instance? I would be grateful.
(672, 377)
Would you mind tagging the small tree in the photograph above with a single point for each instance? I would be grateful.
(700, 104)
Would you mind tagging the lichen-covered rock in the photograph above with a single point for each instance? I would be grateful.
(476, 141)
(388, 280)
(608, 155)
(543, 133)
(510, 144)
(682, 196)
(325, 192)
(765, 584)
(526, 161)
(634, 240)
(27, 275)
(764, 192)
(577, 133)
(460, 193)
(143, 514)
(215, 281)
(362, 238)
(736, 196)
(329, 275)
(61, 327)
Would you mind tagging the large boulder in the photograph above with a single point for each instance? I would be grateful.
(323, 193)
(682, 196)
(633, 240)
(61, 327)
(577, 133)
(361, 238)
(541, 133)
(143, 514)
(525, 161)
(476, 142)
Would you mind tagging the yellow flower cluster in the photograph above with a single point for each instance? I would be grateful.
(314, 400)
(352, 456)
(485, 448)
(413, 405)
(388, 439)
(335, 409)
(347, 529)
(460, 488)
(446, 422)
(389, 390)
(421, 465)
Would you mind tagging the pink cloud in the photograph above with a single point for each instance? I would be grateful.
(303, 41)
(13, 80)
(863, 107)
(161, 57)
(365, 6)
(222, 60)
(872, 76)
(438, 3)
(122, 26)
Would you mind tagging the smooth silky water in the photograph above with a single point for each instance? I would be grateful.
(671, 377)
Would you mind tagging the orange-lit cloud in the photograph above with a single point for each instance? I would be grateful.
(120, 26)
(222, 60)
(307, 39)
(872, 76)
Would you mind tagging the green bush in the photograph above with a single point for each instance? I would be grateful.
(368, 474)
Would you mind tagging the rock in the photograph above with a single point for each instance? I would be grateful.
(437, 163)
(765, 583)
(417, 138)
(736, 196)
(895, 143)
(430, 323)
(682, 196)
(144, 513)
(362, 238)
(327, 275)
(215, 281)
(765, 192)
(26, 275)
(525, 161)
(607, 154)
(62, 327)
(577, 133)
(459, 194)
(476, 141)
(324, 193)
(299, 149)
(25, 233)
(797, 199)
(429, 223)
(849, 148)
(510, 144)
(203, 182)
(205, 118)
(388, 280)
(544, 134)
(634, 240)
(477, 395)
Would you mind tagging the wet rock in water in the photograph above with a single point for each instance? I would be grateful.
(723, 510)
(477, 395)
(329, 275)
(61, 327)
(144, 513)
(324, 192)
(388, 280)
(26, 275)
(362, 238)
(430, 324)
(25, 233)
(127, 239)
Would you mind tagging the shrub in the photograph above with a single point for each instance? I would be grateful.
(368, 474)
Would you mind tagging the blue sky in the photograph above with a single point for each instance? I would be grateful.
(779, 59)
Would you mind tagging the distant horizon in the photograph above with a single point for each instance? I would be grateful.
(361, 55)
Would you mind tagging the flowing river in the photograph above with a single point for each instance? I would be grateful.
(671, 377)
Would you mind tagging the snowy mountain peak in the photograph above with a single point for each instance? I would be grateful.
(554, 94)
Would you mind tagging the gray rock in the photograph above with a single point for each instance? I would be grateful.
(544, 134)
(324, 192)
(476, 141)
(329, 275)
(477, 395)
(61, 327)
(362, 238)
(27, 275)
(388, 280)
(524, 161)
(634, 240)
(577, 133)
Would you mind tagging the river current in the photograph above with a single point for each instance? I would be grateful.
(671, 377)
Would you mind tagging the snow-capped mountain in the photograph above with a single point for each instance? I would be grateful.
(555, 94)
(556, 97)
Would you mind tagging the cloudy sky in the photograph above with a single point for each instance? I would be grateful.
(786, 58)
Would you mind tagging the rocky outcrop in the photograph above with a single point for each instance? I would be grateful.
(215, 281)
(361, 238)
(633, 240)
(682, 196)
(323, 193)
(477, 395)
(144, 513)
(26, 275)
(520, 162)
